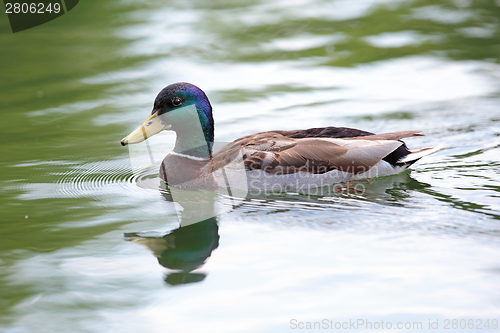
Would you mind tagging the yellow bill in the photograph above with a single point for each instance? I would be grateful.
(150, 127)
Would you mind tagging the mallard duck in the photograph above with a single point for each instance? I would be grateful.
(274, 160)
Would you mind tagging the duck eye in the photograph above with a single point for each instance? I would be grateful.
(176, 101)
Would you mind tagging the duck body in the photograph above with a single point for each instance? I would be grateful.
(267, 161)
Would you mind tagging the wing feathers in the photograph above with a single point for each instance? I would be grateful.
(391, 136)
(315, 150)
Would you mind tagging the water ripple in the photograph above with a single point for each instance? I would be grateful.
(90, 179)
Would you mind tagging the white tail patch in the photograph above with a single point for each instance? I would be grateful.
(418, 153)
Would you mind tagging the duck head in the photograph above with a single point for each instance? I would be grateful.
(184, 108)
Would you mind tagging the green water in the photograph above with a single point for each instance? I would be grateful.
(420, 246)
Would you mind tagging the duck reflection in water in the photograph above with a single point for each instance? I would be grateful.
(185, 249)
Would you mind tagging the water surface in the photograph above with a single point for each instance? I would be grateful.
(420, 246)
